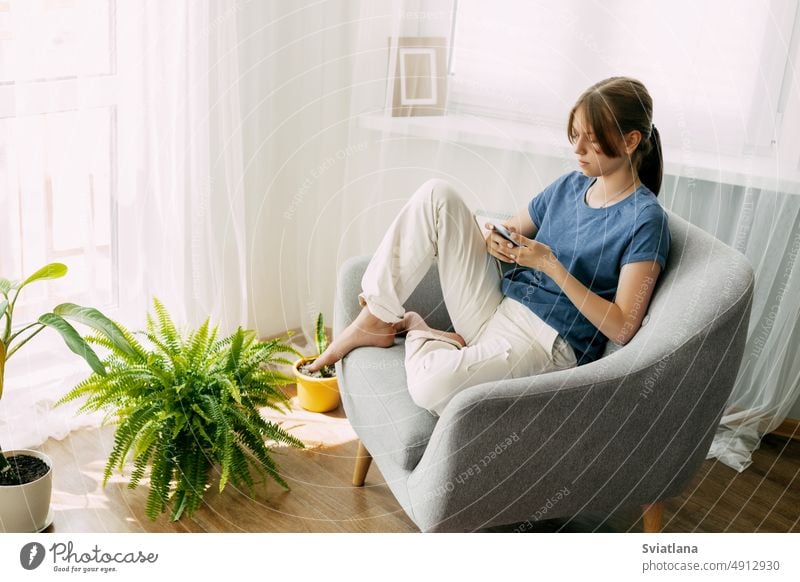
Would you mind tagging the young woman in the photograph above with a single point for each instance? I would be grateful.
(589, 250)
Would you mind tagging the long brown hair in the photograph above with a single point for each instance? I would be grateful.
(618, 105)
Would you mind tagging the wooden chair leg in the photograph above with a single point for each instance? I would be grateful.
(652, 516)
(363, 461)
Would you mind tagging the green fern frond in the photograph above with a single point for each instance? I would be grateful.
(198, 343)
(126, 435)
(283, 361)
(174, 357)
(261, 394)
(191, 486)
(86, 386)
(103, 341)
(237, 340)
(259, 451)
(278, 434)
(160, 478)
(199, 429)
(233, 389)
(166, 327)
(139, 469)
(271, 377)
(240, 469)
(145, 448)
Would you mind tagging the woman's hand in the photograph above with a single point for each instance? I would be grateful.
(496, 245)
(532, 253)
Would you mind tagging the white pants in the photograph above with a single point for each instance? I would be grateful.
(505, 339)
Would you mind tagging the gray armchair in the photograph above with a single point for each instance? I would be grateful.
(628, 429)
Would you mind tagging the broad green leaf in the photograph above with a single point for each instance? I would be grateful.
(2, 365)
(51, 271)
(5, 286)
(73, 340)
(3, 305)
(96, 320)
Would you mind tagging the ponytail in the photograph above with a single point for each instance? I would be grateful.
(614, 107)
(651, 162)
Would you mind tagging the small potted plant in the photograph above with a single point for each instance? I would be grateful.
(187, 406)
(26, 476)
(317, 391)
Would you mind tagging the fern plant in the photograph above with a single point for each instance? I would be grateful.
(187, 404)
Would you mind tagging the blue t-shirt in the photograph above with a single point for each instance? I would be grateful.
(592, 244)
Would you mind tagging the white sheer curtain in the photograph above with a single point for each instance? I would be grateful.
(176, 207)
(186, 200)
(763, 225)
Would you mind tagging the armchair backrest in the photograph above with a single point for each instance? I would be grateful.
(705, 282)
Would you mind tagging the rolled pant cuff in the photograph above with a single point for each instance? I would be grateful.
(382, 313)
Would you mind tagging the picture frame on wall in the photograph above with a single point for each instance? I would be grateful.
(417, 75)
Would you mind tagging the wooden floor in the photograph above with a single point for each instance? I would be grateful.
(321, 498)
(764, 498)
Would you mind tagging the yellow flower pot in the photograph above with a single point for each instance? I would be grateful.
(316, 394)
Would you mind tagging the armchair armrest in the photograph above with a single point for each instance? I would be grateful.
(501, 448)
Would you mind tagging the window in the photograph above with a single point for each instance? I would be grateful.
(57, 149)
(716, 70)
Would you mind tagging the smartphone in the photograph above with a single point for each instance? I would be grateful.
(503, 231)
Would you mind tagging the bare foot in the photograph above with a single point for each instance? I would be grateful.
(414, 321)
(365, 330)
